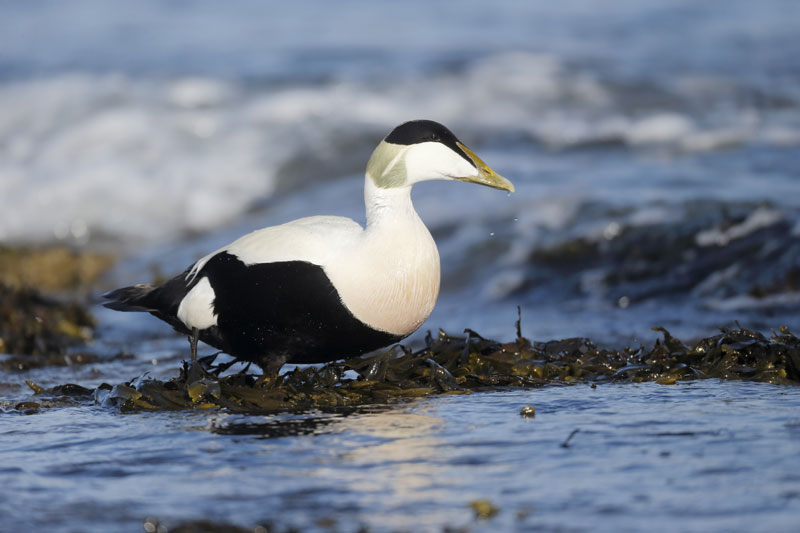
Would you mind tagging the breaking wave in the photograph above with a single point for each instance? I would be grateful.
(124, 159)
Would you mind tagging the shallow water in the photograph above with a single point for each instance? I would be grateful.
(694, 457)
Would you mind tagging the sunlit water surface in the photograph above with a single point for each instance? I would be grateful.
(692, 457)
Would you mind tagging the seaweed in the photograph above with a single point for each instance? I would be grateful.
(458, 365)
(58, 396)
(153, 525)
(51, 269)
(484, 509)
(42, 305)
(709, 250)
(34, 324)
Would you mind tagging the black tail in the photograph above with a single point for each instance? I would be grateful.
(163, 302)
(133, 298)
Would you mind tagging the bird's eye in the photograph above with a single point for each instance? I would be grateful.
(434, 137)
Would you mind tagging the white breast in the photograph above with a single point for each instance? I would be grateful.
(390, 284)
(390, 278)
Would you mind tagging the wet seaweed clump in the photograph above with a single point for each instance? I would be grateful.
(38, 330)
(58, 396)
(460, 365)
(152, 525)
(41, 314)
(51, 269)
(718, 254)
(484, 509)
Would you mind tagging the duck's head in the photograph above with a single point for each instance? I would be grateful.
(423, 150)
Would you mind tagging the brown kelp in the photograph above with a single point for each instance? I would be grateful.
(52, 268)
(39, 329)
(460, 365)
(42, 314)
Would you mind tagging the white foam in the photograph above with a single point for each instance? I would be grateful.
(198, 92)
(756, 220)
(122, 158)
(780, 135)
(148, 160)
(659, 128)
(747, 302)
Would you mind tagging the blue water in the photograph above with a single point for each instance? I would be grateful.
(704, 456)
(654, 147)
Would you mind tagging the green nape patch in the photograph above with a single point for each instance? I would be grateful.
(460, 365)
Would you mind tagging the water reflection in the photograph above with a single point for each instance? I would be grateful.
(359, 459)
(392, 456)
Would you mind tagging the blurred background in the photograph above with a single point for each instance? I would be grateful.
(655, 146)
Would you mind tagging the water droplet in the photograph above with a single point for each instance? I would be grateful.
(78, 228)
(624, 302)
(491, 234)
(612, 230)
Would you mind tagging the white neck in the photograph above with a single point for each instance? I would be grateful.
(388, 206)
(391, 278)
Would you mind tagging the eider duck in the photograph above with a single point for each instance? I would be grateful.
(323, 288)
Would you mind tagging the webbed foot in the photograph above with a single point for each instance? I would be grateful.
(270, 367)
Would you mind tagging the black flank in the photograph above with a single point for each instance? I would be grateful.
(285, 308)
(264, 311)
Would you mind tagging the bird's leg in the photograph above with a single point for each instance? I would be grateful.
(193, 371)
(193, 338)
(271, 367)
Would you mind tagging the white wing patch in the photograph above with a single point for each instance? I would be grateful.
(196, 310)
(315, 240)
